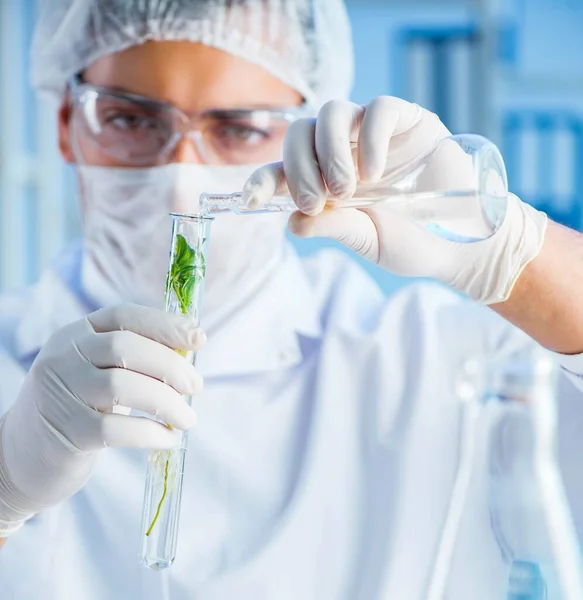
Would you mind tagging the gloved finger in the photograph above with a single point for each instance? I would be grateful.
(337, 124)
(174, 331)
(378, 126)
(416, 133)
(119, 431)
(97, 430)
(131, 351)
(410, 114)
(407, 248)
(301, 168)
(263, 184)
(349, 226)
(120, 387)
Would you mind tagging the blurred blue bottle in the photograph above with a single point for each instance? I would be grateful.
(526, 582)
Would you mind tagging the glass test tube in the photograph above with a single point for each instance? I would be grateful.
(184, 290)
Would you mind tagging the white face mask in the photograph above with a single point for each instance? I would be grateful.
(127, 235)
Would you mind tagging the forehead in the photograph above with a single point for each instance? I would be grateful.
(191, 76)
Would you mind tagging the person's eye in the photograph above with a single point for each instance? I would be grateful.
(132, 122)
(238, 133)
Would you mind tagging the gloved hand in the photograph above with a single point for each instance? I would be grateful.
(390, 133)
(76, 398)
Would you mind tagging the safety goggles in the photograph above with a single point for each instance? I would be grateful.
(138, 131)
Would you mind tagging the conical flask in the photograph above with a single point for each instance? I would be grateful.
(458, 190)
(508, 473)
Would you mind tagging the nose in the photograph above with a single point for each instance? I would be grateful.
(188, 150)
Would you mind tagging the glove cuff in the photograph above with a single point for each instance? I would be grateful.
(12, 517)
(37, 468)
(517, 243)
(7, 528)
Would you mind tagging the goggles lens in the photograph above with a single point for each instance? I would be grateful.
(140, 132)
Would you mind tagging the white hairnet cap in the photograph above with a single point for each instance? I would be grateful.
(305, 43)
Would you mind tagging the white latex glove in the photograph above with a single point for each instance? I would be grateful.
(76, 398)
(390, 133)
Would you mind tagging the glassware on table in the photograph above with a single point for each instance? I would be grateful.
(459, 191)
(526, 498)
(184, 291)
(532, 504)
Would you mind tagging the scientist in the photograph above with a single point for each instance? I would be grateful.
(322, 465)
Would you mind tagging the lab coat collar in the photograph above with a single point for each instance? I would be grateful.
(263, 335)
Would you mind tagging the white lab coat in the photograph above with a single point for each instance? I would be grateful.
(322, 464)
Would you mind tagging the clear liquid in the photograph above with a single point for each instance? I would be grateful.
(162, 507)
(462, 216)
(457, 216)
